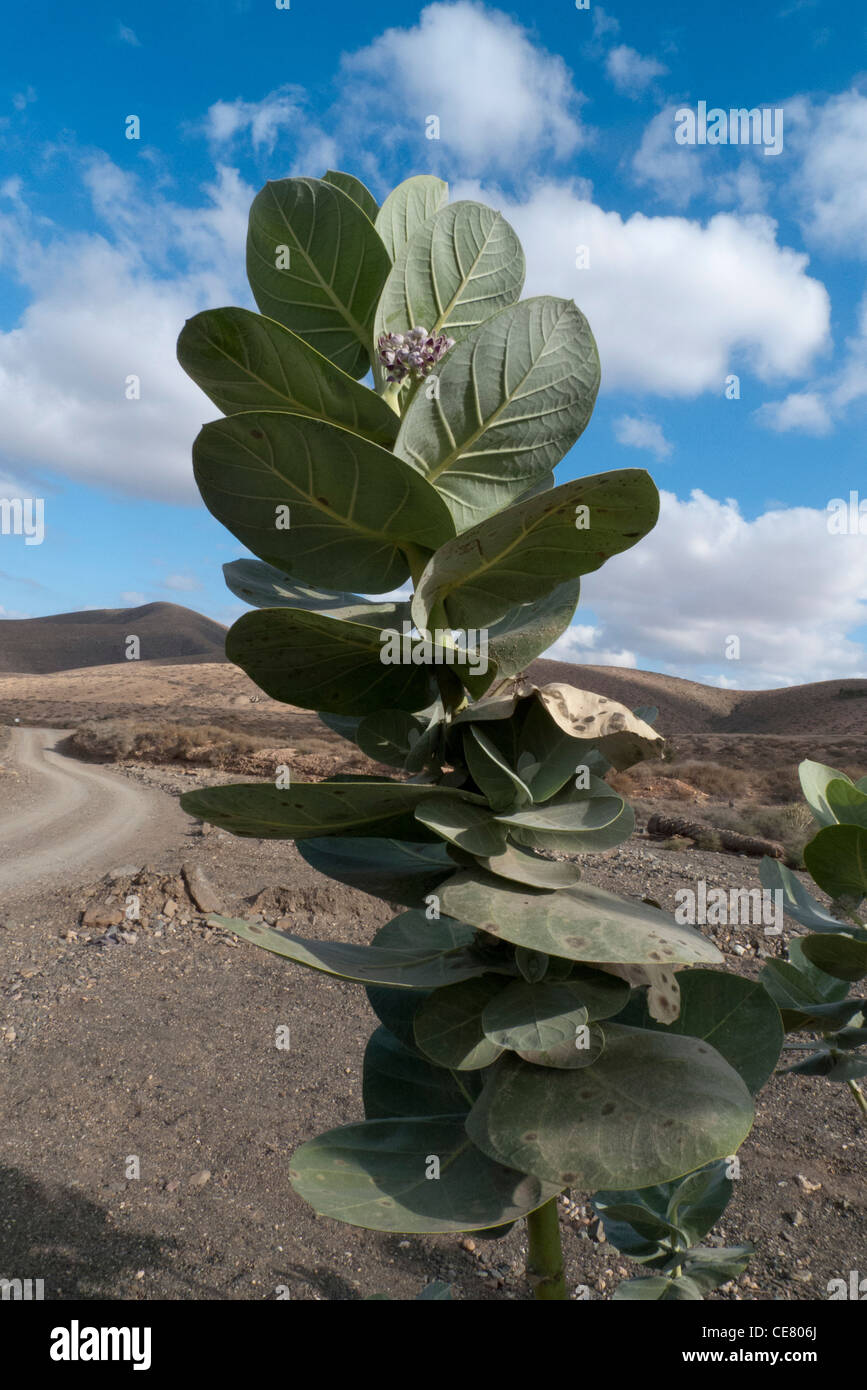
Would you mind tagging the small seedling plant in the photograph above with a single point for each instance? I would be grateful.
(413, 555)
(814, 987)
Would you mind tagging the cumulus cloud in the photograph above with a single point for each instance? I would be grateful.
(832, 178)
(127, 35)
(104, 311)
(673, 302)
(133, 598)
(631, 73)
(676, 598)
(804, 411)
(502, 101)
(640, 432)
(280, 114)
(728, 176)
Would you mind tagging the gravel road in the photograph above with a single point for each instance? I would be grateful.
(62, 820)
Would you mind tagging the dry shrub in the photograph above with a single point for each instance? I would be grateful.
(207, 745)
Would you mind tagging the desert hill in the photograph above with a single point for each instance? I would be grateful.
(167, 633)
(687, 707)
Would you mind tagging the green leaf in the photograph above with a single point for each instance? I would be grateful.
(263, 586)
(848, 802)
(354, 189)
(337, 267)
(528, 549)
(246, 362)
(657, 1287)
(736, 1016)
(561, 822)
(397, 870)
(804, 1001)
(522, 866)
(458, 268)
(322, 663)
(265, 812)
(398, 1082)
(448, 1026)
(406, 208)
(373, 1175)
(530, 629)
(396, 1010)
(513, 398)
(351, 504)
(797, 902)
(815, 778)
(500, 784)
(535, 1017)
(471, 828)
(837, 955)
(583, 923)
(590, 841)
(650, 1223)
(387, 735)
(403, 965)
(836, 859)
(582, 1051)
(652, 1108)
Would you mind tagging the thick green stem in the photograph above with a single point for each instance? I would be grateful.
(859, 1096)
(545, 1260)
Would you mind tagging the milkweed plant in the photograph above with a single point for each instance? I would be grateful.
(391, 421)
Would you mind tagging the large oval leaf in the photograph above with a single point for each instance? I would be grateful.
(533, 1017)
(797, 902)
(652, 1108)
(326, 283)
(581, 923)
(321, 504)
(513, 398)
(528, 549)
(377, 1175)
(448, 1026)
(471, 828)
(398, 1082)
(399, 871)
(460, 266)
(246, 362)
(402, 963)
(406, 208)
(836, 859)
(815, 778)
(841, 956)
(263, 586)
(736, 1016)
(522, 866)
(354, 189)
(265, 812)
(529, 630)
(318, 662)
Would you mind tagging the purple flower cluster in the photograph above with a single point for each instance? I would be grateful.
(412, 354)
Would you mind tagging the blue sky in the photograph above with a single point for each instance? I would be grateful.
(704, 261)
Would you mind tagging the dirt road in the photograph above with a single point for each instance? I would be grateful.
(64, 820)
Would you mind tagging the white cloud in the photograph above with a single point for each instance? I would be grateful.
(603, 23)
(706, 573)
(727, 176)
(11, 613)
(639, 432)
(23, 99)
(674, 303)
(631, 73)
(832, 178)
(183, 583)
(280, 116)
(102, 311)
(127, 35)
(802, 410)
(502, 101)
(133, 598)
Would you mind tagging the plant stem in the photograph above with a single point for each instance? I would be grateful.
(545, 1260)
(859, 1096)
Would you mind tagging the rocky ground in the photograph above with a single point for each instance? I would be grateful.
(145, 1043)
